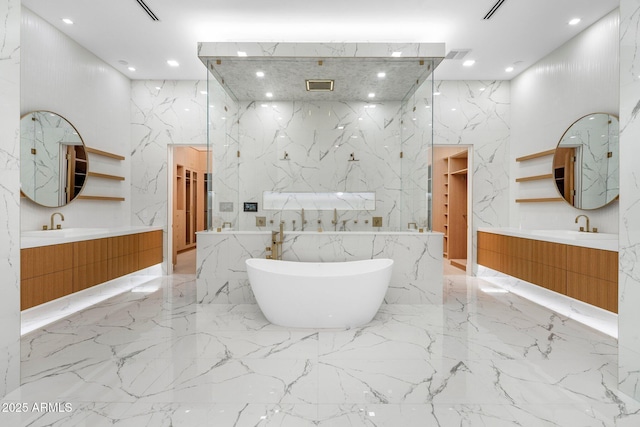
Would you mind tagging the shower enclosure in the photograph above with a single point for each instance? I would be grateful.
(330, 137)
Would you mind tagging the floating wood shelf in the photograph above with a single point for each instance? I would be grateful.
(534, 178)
(540, 200)
(104, 153)
(105, 176)
(536, 155)
(114, 199)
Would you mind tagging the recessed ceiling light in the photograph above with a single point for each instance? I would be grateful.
(173, 63)
(382, 75)
(240, 53)
(372, 95)
(67, 21)
(453, 109)
(468, 62)
(482, 89)
(158, 87)
(132, 68)
(574, 21)
(340, 127)
(264, 105)
(396, 54)
(508, 69)
(260, 73)
(268, 95)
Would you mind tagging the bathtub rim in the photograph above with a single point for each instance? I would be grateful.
(378, 263)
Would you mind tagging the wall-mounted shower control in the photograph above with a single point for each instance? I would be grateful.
(377, 221)
(261, 221)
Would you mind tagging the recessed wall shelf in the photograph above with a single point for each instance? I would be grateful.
(539, 200)
(114, 199)
(534, 178)
(536, 155)
(106, 176)
(104, 153)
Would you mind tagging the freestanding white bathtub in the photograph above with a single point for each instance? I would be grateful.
(319, 294)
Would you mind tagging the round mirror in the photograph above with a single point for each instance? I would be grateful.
(53, 161)
(585, 164)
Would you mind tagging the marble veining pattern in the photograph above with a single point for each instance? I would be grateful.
(478, 358)
(477, 114)
(629, 277)
(417, 271)
(10, 57)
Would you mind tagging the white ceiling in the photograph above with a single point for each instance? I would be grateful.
(520, 33)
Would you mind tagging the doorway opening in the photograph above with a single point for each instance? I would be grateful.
(451, 201)
(188, 196)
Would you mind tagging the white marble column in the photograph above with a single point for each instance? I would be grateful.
(629, 274)
(10, 196)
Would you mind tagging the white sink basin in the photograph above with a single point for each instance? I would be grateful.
(576, 235)
(63, 232)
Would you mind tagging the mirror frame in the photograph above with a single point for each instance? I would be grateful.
(556, 154)
(23, 159)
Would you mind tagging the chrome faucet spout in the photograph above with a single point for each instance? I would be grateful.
(61, 218)
(587, 223)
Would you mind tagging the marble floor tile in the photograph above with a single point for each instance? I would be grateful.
(152, 356)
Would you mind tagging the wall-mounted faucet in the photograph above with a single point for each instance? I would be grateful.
(334, 221)
(304, 221)
(587, 225)
(61, 218)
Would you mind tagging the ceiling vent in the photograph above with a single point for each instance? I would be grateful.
(457, 54)
(149, 12)
(319, 85)
(494, 9)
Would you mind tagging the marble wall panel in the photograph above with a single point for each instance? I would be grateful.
(477, 114)
(319, 140)
(163, 113)
(629, 260)
(417, 273)
(10, 57)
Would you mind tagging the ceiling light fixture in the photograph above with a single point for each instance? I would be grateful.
(508, 69)
(173, 63)
(269, 95)
(67, 21)
(131, 68)
(382, 75)
(260, 73)
(372, 95)
(468, 62)
(574, 21)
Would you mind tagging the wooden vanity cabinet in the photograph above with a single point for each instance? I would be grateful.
(586, 274)
(51, 272)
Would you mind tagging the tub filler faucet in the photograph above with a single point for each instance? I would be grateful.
(277, 237)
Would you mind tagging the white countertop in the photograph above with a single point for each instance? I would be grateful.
(605, 241)
(36, 238)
